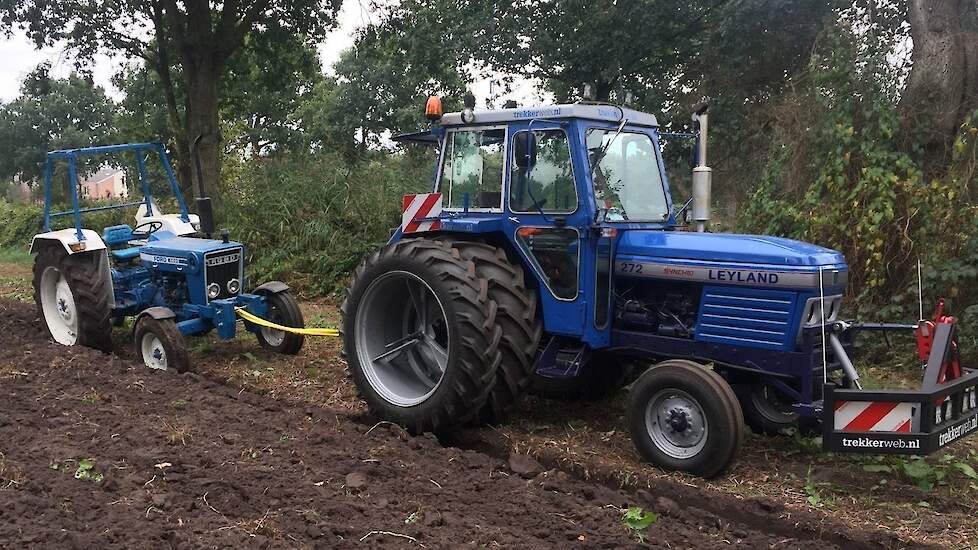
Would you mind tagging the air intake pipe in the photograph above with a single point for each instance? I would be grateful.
(702, 174)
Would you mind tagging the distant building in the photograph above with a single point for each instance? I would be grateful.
(107, 183)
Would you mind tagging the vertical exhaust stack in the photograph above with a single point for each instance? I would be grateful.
(702, 174)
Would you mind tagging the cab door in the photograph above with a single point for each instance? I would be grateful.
(553, 230)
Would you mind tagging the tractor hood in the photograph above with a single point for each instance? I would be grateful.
(727, 248)
(728, 259)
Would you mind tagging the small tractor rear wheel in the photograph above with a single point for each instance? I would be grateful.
(160, 345)
(683, 416)
(73, 298)
(283, 309)
(516, 315)
(420, 335)
(767, 411)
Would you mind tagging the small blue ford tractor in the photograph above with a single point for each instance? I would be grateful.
(166, 272)
(549, 255)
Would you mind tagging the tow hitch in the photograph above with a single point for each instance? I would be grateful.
(914, 422)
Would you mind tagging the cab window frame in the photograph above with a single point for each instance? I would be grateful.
(570, 162)
(446, 150)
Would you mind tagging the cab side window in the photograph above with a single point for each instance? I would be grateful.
(472, 171)
(548, 184)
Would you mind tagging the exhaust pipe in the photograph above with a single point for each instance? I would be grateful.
(702, 174)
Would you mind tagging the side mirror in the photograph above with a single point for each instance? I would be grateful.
(525, 149)
(205, 210)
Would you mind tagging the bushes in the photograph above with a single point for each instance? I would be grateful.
(18, 224)
(310, 219)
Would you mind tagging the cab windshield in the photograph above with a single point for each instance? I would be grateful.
(627, 182)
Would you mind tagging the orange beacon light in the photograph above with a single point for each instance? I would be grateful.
(432, 109)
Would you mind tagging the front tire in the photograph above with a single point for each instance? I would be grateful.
(766, 411)
(685, 417)
(73, 298)
(160, 346)
(283, 309)
(420, 335)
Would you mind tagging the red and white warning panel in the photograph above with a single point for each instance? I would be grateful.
(874, 416)
(419, 212)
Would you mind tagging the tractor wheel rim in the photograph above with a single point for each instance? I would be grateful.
(154, 354)
(402, 338)
(274, 337)
(676, 423)
(58, 305)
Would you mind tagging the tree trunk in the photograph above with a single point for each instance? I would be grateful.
(942, 88)
(202, 121)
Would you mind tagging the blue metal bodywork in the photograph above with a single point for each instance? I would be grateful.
(752, 291)
(172, 270)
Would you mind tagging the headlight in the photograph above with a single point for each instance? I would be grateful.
(213, 291)
(234, 286)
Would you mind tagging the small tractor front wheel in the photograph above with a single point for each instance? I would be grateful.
(767, 411)
(160, 345)
(73, 297)
(420, 335)
(283, 309)
(685, 417)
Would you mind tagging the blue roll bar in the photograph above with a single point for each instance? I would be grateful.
(71, 155)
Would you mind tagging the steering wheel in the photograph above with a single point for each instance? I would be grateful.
(153, 226)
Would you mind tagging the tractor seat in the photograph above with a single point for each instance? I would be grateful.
(117, 238)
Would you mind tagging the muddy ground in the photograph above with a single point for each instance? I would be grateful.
(96, 451)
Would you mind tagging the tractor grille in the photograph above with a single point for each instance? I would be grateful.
(221, 267)
(752, 318)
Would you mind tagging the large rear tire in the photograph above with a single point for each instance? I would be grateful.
(73, 297)
(684, 416)
(517, 316)
(420, 335)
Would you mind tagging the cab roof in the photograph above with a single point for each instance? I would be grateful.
(590, 111)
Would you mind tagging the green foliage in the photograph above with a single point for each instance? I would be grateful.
(20, 223)
(86, 471)
(638, 520)
(927, 472)
(310, 219)
(840, 175)
(50, 114)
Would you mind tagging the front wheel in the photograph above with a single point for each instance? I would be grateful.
(685, 417)
(159, 344)
(283, 309)
(768, 411)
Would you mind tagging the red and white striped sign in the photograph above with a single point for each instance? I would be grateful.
(418, 207)
(873, 416)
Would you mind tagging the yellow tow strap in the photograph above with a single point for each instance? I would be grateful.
(243, 313)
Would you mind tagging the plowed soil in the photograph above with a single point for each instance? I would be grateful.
(189, 461)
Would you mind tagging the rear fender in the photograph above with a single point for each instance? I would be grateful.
(68, 238)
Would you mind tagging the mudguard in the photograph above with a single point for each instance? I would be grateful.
(159, 313)
(68, 237)
(271, 287)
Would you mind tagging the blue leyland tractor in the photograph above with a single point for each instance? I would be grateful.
(165, 272)
(549, 256)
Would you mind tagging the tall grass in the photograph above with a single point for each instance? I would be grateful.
(310, 219)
